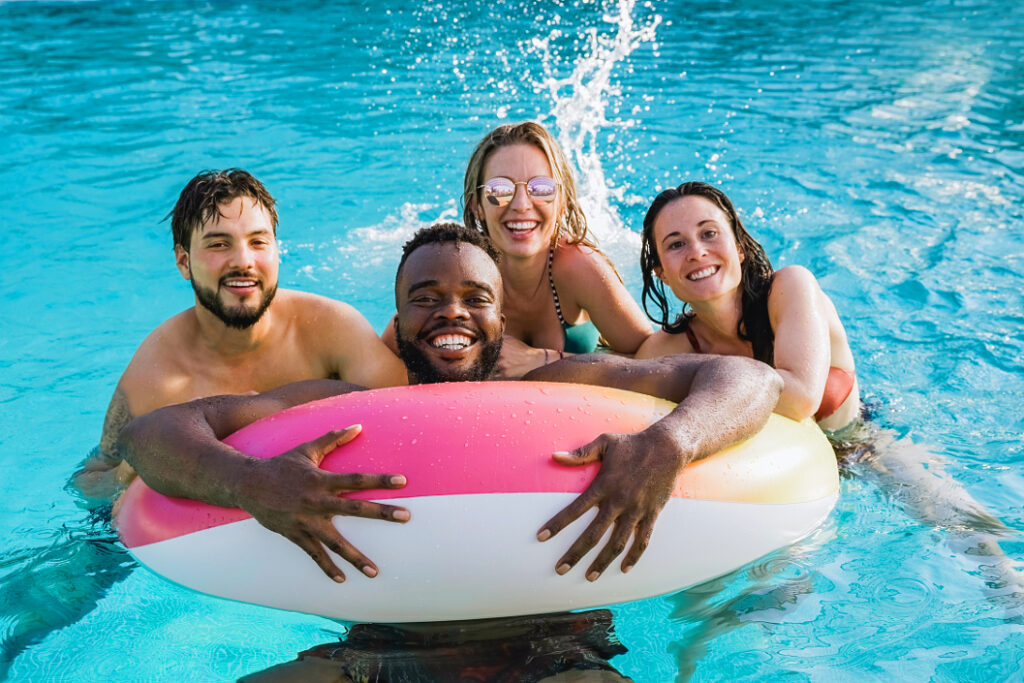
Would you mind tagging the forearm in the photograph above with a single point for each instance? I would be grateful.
(721, 399)
(118, 416)
(104, 473)
(729, 400)
(176, 452)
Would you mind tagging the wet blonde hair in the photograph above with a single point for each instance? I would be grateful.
(570, 224)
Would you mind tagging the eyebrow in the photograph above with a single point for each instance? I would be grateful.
(466, 283)
(221, 235)
(676, 232)
(420, 285)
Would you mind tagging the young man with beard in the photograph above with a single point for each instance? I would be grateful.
(449, 328)
(243, 334)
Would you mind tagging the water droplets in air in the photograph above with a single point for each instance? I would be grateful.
(581, 101)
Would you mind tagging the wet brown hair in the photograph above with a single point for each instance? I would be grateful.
(201, 198)
(755, 273)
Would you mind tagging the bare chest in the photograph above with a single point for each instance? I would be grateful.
(202, 376)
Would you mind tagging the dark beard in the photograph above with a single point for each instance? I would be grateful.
(422, 371)
(239, 317)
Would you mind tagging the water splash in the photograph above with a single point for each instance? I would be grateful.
(580, 102)
(578, 116)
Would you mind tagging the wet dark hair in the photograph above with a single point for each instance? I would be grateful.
(755, 273)
(447, 233)
(199, 201)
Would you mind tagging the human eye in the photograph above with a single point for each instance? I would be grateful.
(675, 244)
(710, 234)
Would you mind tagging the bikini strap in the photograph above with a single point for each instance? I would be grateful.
(551, 281)
(693, 339)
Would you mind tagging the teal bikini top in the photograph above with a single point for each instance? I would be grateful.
(582, 338)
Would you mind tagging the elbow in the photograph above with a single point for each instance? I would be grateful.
(772, 381)
(756, 372)
(796, 405)
(762, 385)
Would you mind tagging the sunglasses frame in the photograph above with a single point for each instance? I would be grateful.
(494, 201)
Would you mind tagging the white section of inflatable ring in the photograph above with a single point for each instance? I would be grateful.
(506, 572)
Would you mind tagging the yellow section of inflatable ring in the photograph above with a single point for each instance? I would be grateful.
(786, 462)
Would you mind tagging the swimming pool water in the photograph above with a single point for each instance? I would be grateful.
(880, 145)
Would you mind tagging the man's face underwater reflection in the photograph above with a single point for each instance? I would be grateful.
(449, 323)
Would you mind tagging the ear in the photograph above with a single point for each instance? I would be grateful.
(742, 255)
(659, 273)
(181, 259)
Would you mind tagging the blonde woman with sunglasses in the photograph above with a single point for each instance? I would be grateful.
(561, 294)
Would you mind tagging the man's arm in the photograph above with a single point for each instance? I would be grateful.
(105, 473)
(722, 400)
(177, 451)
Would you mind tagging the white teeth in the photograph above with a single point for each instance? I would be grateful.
(451, 341)
(240, 283)
(524, 225)
(703, 273)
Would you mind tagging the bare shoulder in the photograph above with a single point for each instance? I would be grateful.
(313, 308)
(324, 323)
(317, 315)
(575, 262)
(663, 343)
(586, 278)
(794, 280)
(345, 341)
(149, 380)
(796, 291)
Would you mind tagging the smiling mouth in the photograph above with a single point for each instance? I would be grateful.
(521, 227)
(702, 273)
(451, 342)
(239, 282)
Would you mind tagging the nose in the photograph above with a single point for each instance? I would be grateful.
(695, 251)
(521, 199)
(243, 257)
(452, 308)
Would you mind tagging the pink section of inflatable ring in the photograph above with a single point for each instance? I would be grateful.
(447, 439)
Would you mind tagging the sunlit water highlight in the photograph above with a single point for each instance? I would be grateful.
(880, 146)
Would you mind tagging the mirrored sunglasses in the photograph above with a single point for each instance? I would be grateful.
(500, 191)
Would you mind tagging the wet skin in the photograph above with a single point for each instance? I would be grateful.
(523, 227)
(232, 262)
(449, 313)
(449, 301)
(700, 260)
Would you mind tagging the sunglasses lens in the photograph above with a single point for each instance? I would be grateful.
(499, 191)
(542, 188)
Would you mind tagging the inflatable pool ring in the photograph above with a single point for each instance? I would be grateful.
(481, 482)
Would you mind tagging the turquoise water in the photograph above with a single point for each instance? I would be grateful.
(880, 145)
